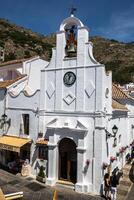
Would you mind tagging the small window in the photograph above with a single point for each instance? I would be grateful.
(26, 123)
(43, 152)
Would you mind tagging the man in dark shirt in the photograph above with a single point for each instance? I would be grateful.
(114, 182)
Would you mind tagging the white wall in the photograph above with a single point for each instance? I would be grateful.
(23, 105)
(2, 105)
(33, 69)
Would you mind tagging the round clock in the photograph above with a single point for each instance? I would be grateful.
(69, 78)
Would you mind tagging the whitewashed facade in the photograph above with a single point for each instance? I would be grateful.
(69, 100)
(82, 112)
(20, 92)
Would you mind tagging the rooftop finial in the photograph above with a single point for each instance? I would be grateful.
(72, 10)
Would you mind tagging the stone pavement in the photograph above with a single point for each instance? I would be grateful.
(125, 183)
(33, 190)
(130, 195)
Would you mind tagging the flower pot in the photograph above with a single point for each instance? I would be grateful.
(112, 159)
(117, 154)
(41, 179)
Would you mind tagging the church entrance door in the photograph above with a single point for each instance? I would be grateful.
(67, 160)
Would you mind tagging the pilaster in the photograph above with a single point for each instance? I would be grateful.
(52, 165)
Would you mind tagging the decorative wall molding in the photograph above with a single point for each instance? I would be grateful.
(50, 90)
(69, 98)
(89, 89)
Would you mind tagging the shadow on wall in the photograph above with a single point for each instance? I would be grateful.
(36, 162)
(35, 154)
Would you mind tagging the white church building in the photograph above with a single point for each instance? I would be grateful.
(66, 114)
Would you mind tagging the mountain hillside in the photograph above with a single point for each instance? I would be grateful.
(19, 42)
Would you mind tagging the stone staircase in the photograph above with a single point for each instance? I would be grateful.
(64, 184)
(125, 183)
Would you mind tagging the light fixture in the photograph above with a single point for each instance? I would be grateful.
(4, 117)
(114, 130)
(132, 126)
(4, 120)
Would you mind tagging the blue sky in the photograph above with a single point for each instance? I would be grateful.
(107, 18)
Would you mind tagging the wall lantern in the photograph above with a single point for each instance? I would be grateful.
(132, 126)
(114, 130)
(4, 120)
(87, 162)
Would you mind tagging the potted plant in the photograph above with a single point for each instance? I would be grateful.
(122, 149)
(112, 158)
(41, 175)
(117, 154)
(40, 135)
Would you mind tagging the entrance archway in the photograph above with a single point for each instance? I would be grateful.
(67, 160)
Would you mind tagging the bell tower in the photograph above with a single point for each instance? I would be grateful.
(70, 75)
(67, 45)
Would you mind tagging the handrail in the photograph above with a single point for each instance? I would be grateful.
(13, 196)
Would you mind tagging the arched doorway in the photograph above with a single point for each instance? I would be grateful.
(67, 160)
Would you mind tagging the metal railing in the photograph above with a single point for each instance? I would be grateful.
(16, 195)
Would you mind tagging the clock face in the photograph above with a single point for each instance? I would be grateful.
(69, 78)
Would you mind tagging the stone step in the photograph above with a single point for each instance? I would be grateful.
(127, 166)
(126, 171)
(125, 176)
(122, 192)
(64, 184)
(125, 182)
(123, 187)
(120, 197)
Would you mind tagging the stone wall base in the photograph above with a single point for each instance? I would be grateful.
(83, 188)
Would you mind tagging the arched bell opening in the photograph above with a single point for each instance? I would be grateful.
(71, 40)
(67, 160)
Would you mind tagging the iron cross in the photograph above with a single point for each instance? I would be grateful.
(73, 10)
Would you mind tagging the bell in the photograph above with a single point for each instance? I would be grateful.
(71, 48)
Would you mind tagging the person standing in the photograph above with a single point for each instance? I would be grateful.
(107, 186)
(114, 182)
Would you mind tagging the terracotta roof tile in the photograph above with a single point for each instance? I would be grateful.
(42, 142)
(15, 61)
(4, 84)
(118, 94)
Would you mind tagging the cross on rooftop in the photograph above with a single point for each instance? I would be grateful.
(72, 10)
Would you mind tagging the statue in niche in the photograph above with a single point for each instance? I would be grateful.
(71, 41)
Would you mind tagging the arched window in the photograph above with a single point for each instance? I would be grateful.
(71, 40)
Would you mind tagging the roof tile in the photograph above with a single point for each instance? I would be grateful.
(15, 61)
(4, 84)
(118, 94)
